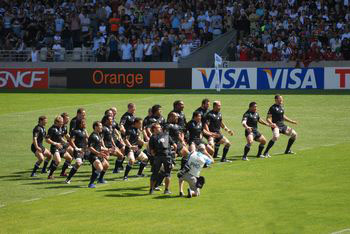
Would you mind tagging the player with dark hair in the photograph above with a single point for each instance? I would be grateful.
(250, 122)
(39, 133)
(146, 122)
(78, 140)
(66, 135)
(127, 119)
(81, 114)
(58, 146)
(133, 151)
(213, 124)
(176, 134)
(196, 132)
(119, 142)
(156, 117)
(204, 109)
(178, 108)
(98, 155)
(276, 118)
(160, 146)
(108, 139)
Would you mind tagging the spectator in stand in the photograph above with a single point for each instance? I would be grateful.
(148, 50)
(185, 48)
(165, 49)
(126, 50)
(138, 48)
(112, 43)
(231, 52)
(244, 53)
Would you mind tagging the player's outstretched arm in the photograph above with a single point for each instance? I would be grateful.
(289, 120)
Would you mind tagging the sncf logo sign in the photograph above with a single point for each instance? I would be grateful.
(24, 78)
(337, 78)
(342, 76)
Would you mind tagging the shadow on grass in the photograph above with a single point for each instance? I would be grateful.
(162, 197)
(140, 188)
(127, 195)
(64, 186)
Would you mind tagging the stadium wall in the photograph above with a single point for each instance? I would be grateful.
(265, 76)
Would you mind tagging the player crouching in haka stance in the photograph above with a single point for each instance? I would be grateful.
(39, 133)
(191, 172)
(196, 130)
(276, 117)
(133, 147)
(78, 141)
(160, 145)
(109, 141)
(250, 123)
(98, 155)
(213, 124)
(58, 147)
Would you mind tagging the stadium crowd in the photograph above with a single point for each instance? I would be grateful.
(144, 30)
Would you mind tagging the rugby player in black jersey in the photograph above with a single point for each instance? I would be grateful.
(176, 133)
(133, 151)
(39, 133)
(78, 141)
(250, 122)
(119, 142)
(81, 114)
(156, 117)
(276, 118)
(108, 139)
(127, 118)
(58, 146)
(213, 124)
(203, 109)
(160, 145)
(196, 132)
(98, 155)
(178, 108)
(66, 135)
(146, 123)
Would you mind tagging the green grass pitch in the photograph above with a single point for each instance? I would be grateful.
(304, 193)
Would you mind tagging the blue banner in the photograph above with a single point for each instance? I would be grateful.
(290, 78)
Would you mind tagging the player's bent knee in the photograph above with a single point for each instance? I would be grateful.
(294, 134)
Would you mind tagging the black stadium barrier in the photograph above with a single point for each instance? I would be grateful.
(172, 78)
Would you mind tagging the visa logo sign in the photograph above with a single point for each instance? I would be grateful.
(228, 78)
(290, 78)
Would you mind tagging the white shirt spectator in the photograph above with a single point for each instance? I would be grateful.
(177, 54)
(57, 49)
(34, 55)
(185, 49)
(59, 23)
(148, 48)
(85, 23)
(138, 50)
(345, 35)
(97, 42)
(279, 44)
(286, 53)
(126, 51)
(269, 47)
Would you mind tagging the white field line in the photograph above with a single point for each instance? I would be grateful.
(76, 105)
(341, 231)
(67, 192)
(33, 199)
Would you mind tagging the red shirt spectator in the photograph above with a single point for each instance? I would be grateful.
(244, 54)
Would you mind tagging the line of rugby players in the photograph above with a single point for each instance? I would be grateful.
(127, 139)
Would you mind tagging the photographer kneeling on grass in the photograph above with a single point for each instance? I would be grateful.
(192, 169)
